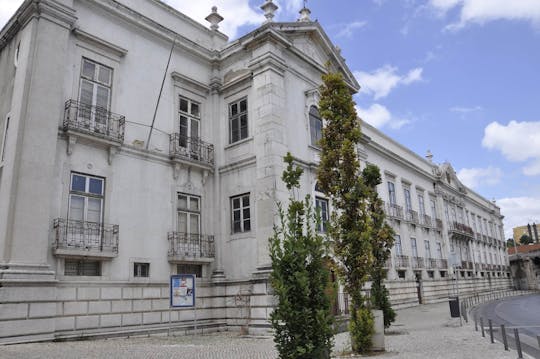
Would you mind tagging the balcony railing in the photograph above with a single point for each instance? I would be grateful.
(467, 265)
(438, 223)
(80, 238)
(395, 211)
(460, 229)
(431, 263)
(94, 121)
(411, 216)
(442, 263)
(426, 221)
(191, 247)
(191, 148)
(417, 262)
(401, 261)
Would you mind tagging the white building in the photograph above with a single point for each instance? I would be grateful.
(96, 212)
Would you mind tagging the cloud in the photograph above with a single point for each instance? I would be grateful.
(465, 110)
(518, 211)
(383, 80)
(483, 11)
(476, 177)
(517, 141)
(7, 9)
(379, 116)
(348, 29)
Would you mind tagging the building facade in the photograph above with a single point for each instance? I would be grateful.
(136, 144)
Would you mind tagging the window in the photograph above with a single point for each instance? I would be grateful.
(433, 208)
(414, 248)
(446, 212)
(322, 205)
(430, 274)
(241, 215)
(397, 244)
(195, 269)
(401, 274)
(4, 141)
(391, 192)
(238, 121)
(141, 270)
(82, 268)
(421, 207)
(189, 117)
(442, 274)
(188, 212)
(439, 250)
(86, 198)
(407, 193)
(427, 248)
(315, 126)
(95, 92)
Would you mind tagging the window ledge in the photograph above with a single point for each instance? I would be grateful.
(316, 148)
(241, 235)
(238, 143)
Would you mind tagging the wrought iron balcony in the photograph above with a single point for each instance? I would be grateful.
(89, 239)
(191, 148)
(417, 262)
(438, 224)
(460, 230)
(187, 247)
(394, 211)
(401, 261)
(426, 221)
(431, 263)
(93, 121)
(467, 265)
(442, 263)
(411, 216)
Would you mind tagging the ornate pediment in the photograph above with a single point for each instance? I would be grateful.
(446, 175)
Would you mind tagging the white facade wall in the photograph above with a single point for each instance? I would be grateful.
(277, 68)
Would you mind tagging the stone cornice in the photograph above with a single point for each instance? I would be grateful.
(96, 41)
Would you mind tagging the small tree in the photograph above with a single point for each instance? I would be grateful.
(525, 239)
(383, 240)
(510, 243)
(351, 228)
(302, 321)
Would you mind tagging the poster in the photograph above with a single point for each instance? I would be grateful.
(182, 290)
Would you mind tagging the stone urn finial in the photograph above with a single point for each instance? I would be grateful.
(304, 14)
(214, 19)
(269, 9)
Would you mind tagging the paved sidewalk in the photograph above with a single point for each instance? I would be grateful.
(420, 332)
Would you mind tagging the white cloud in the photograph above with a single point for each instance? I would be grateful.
(517, 141)
(379, 116)
(518, 211)
(349, 29)
(476, 177)
(383, 80)
(482, 11)
(7, 9)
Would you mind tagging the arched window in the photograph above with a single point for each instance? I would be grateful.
(315, 126)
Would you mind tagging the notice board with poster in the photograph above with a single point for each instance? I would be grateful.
(182, 288)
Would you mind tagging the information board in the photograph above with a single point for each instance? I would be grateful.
(182, 290)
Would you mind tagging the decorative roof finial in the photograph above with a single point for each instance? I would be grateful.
(304, 13)
(269, 9)
(214, 19)
(429, 156)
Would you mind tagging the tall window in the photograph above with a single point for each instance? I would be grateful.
(421, 207)
(414, 247)
(427, 248)
(473, 218)
(190, 116)
(433, 208)
(189, 214)
(391, 193)
(95, 91)
(460, 215)
(397, 245)
(315, 125)
(439, 250)
(322, 205)
(241, 215)
(238, 120)
(86, 198)
(408, 204)
(446, 211)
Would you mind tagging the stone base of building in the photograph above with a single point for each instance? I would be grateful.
(34, 311)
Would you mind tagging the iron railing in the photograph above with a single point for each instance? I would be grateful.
(189, 245)
(426, 221)
(431, 263)
(395, 211)
(191, 148)
(85, 236)
(93, 120)
(438, 223)
(461, 229)
(442, 263)
(411, 216)
(401, 261)
(417, 262)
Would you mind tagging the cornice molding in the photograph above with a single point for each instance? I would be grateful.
(98, 42)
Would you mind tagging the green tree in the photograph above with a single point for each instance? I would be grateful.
(510, 242)
(525, 239)
(383, 240)
(302, 321)
(351, 229)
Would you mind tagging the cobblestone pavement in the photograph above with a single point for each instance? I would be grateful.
(420, 332)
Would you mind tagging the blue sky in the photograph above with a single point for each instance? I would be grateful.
(458, 77)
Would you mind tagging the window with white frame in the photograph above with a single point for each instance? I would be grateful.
(427, 249)
(86, 198)
(397, 245)
(95, 94)
(421, 207)
(407, 194)
(439, 250)
(188, 211)
(414, 247)
(391, 192)
(433, 207)
(76, 267)
(315, 126)
(189, 114)
(238, 120)
(321, 204)
(241, 213)
(141, 270)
